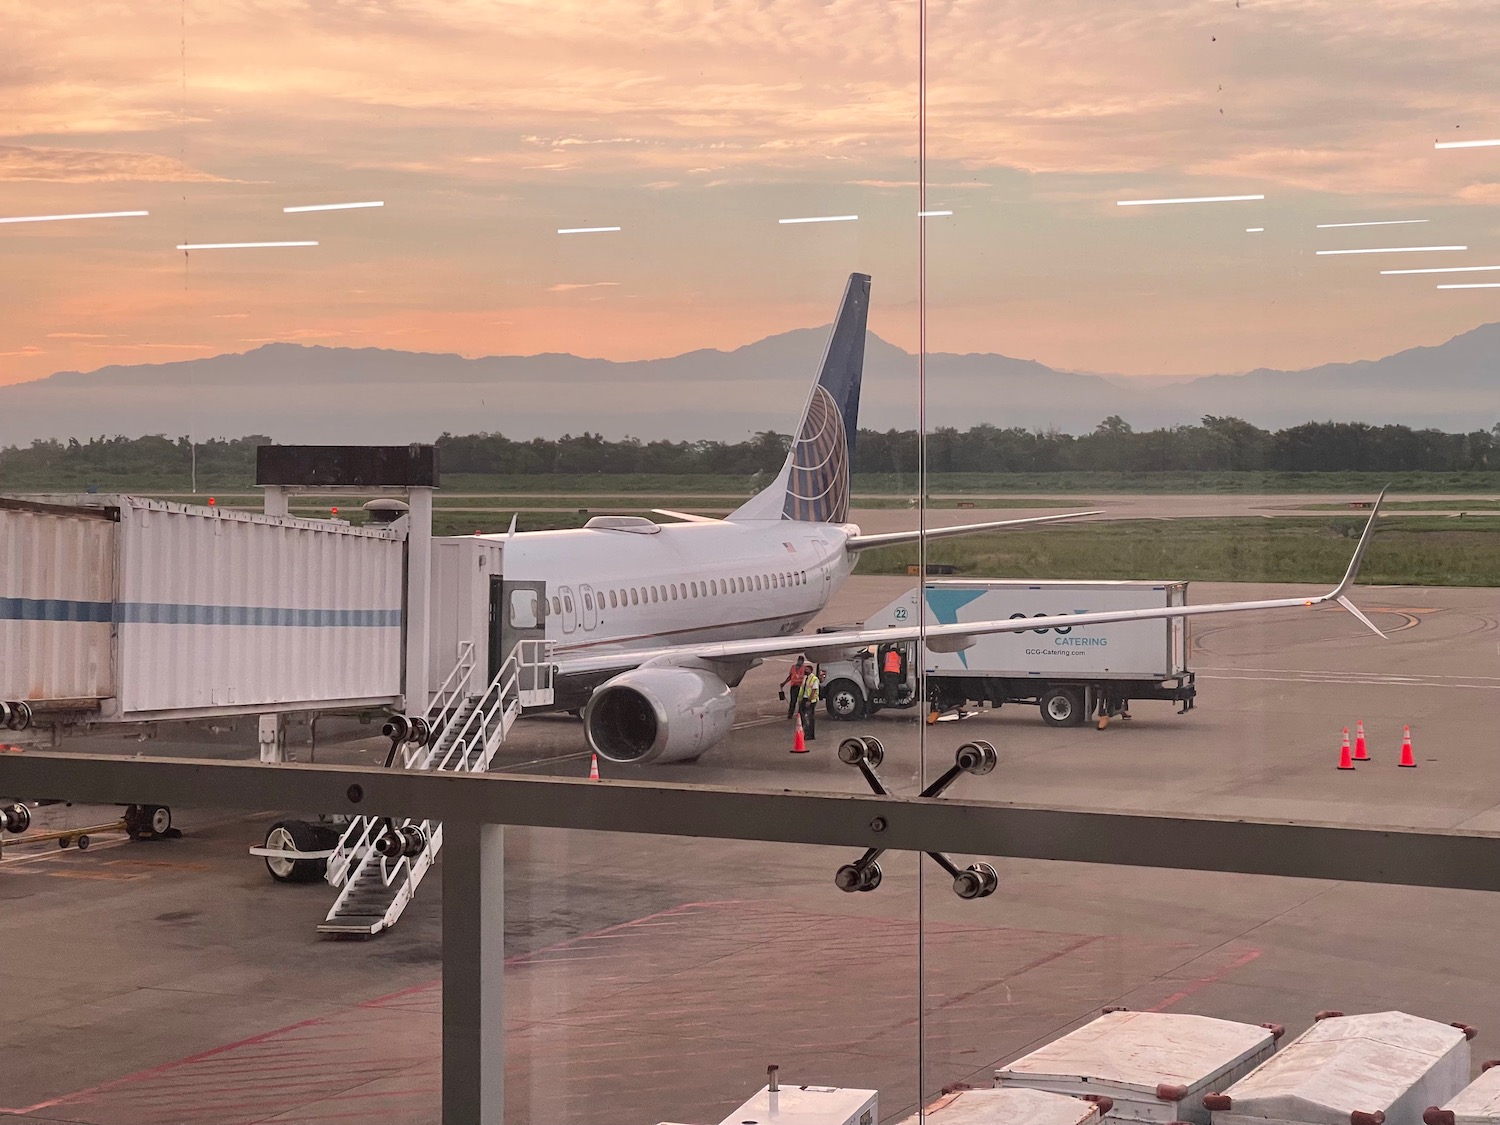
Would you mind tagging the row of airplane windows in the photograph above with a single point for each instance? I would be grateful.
(677, 591)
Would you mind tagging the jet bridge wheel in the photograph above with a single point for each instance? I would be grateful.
(844, 700)
(147, 822)
(296, 835)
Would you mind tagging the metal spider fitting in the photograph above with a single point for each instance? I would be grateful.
(978, 880)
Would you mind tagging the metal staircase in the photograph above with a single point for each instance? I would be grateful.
(380, 860)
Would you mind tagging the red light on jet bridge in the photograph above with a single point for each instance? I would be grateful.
(212, 502)
(335, 511)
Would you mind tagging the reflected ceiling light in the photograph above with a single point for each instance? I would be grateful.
(92, 215)
(1465, 144)
(1254, 230)
(822, 219)
(1193, 199)
(585, 230)
(1393, 250)
(237, 245)
(1447, 269)
(334, 206)
(1474, 285)
(1379, 223)
(932, 214)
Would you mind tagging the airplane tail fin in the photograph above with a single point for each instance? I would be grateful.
(813, 485)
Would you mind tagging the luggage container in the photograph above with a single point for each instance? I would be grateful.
(120, 608)
(806, 1105)
(1011, 1107)
(1154, 1066)
(1381, 1068)
(1476, 1104)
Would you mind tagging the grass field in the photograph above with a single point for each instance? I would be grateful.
(1409, 551)
(898, 485)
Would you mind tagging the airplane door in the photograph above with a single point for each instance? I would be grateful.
(569, 609)
(518, 612)
(590, 608)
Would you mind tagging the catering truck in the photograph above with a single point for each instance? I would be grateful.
(1070, 674)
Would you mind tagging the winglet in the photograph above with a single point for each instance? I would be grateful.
(513, 517)
(1338, 592)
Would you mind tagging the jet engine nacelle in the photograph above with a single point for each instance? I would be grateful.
(661, 713)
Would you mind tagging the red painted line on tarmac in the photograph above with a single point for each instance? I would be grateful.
(1203, 982)
(318, 1021)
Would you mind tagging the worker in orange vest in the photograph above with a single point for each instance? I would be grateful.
(793, 680)
(891, 673)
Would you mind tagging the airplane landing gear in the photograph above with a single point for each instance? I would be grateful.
(978, 880)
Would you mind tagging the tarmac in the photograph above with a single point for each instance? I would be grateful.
(652, 979)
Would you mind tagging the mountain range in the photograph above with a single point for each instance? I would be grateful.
(316, 394)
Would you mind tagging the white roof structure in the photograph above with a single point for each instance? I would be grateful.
(1008, 1107)
(1386, 1063)
(1154, 1066)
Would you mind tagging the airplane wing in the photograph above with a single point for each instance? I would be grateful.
(898, 538)
(953, 638)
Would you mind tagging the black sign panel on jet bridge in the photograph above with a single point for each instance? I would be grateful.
(347, 466)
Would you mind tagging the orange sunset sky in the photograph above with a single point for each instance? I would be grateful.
(485, 126)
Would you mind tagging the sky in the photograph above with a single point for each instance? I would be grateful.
(485, 126)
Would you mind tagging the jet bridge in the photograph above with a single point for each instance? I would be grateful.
(117, 608)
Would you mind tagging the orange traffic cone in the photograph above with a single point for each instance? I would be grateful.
(594, 767)
(1345, 762)
(799, 745)
(1406, 755)
(1361, 751)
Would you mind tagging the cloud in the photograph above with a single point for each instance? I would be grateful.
(28, 350)
(86, 166)
(81, 336)
(568, 287)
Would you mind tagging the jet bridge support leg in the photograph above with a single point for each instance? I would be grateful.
(473, 974)
(272, 736)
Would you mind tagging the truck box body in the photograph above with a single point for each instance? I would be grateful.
(1386, 1063)
(1154, 1066)
(137, 609)
(1127, 650)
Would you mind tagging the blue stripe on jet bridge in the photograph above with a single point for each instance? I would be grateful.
(53, 609)
(177, 613)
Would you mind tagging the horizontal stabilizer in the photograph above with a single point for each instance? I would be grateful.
(900, 538)
(685, 517)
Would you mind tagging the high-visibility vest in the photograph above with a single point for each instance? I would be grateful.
(808, 692)
(892, 661)
(797, 674)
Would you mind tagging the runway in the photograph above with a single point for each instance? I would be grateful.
(652, 979)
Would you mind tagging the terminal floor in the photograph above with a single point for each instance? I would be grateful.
(653, 979)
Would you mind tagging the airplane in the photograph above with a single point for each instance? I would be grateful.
(652, 625)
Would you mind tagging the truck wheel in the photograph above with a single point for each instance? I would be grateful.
(294, 835)
(844, 701)
(1062, 707)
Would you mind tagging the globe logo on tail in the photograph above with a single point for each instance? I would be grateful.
(817, 490)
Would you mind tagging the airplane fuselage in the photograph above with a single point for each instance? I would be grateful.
(618, 589)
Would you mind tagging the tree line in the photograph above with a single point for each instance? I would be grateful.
(1214, 445)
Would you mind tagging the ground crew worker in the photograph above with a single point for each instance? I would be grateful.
(891, 673)
(794, 681)
(807, 702)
